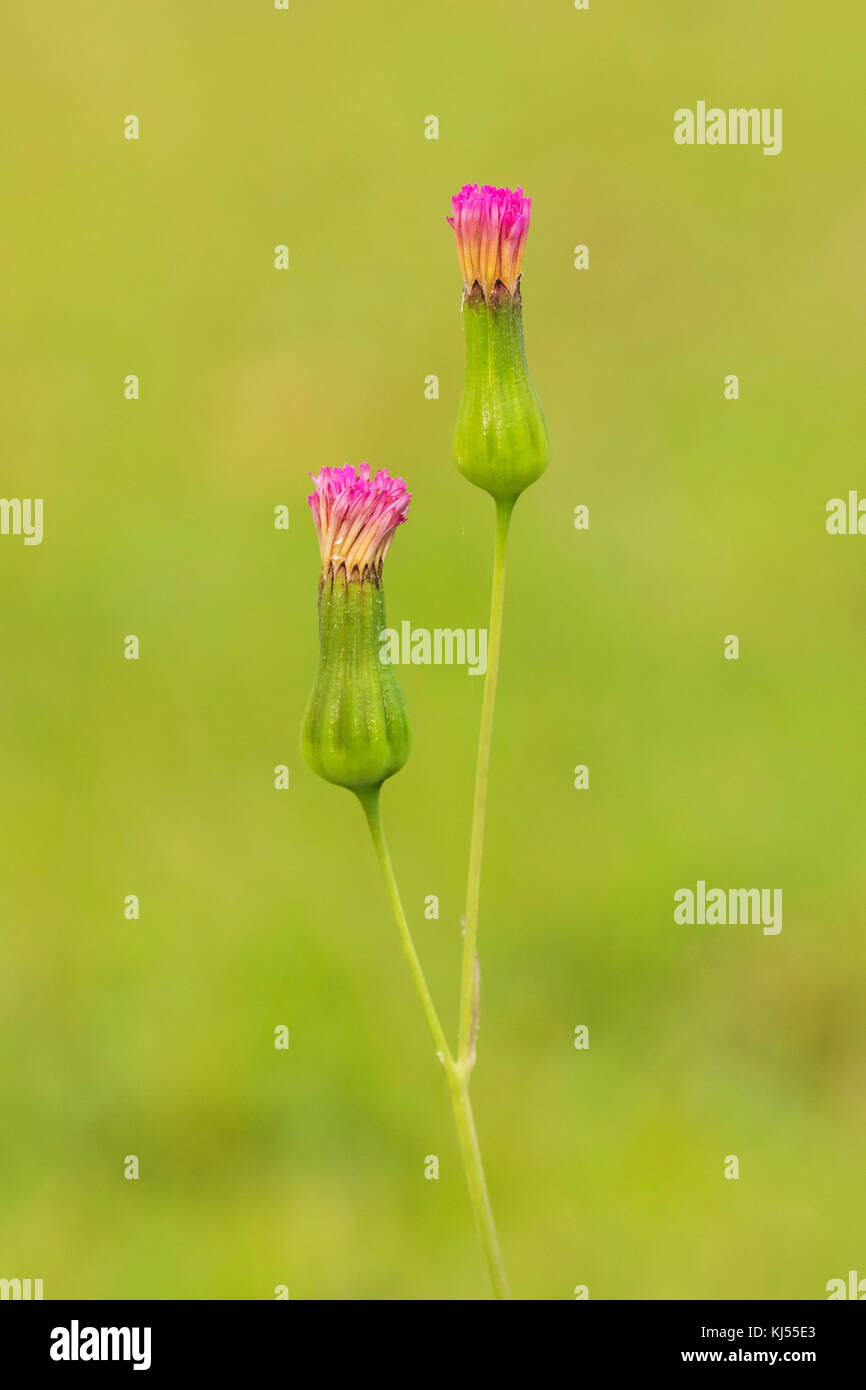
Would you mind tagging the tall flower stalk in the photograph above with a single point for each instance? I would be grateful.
(501, 445)
(356, 733)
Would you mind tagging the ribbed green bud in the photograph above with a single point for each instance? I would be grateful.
(356, 728)
(500, 442)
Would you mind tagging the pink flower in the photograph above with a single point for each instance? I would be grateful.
(491, 225)
(356, 517)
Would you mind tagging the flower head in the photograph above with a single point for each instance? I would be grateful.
(356, 730)
(491, 226)
(356, 517)
(500, 441)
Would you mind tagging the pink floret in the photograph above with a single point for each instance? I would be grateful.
(356, 517)
(491, 225)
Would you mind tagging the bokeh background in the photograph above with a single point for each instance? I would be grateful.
(262, 907)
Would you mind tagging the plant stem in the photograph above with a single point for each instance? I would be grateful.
(458, 1077)
(468, 989)
(473, 1166)
(369, 799)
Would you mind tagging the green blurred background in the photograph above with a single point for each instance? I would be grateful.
(262, 907)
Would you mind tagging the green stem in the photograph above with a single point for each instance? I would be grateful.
(474, 1168)
(458, 1079)
(468, 988)
(369, 799)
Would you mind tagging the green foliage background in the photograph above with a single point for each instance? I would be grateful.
(261, 907)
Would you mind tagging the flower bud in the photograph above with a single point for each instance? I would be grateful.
(500, 442)
(356, 729)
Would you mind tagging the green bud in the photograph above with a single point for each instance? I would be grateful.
(500, 442)
(356, 728)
